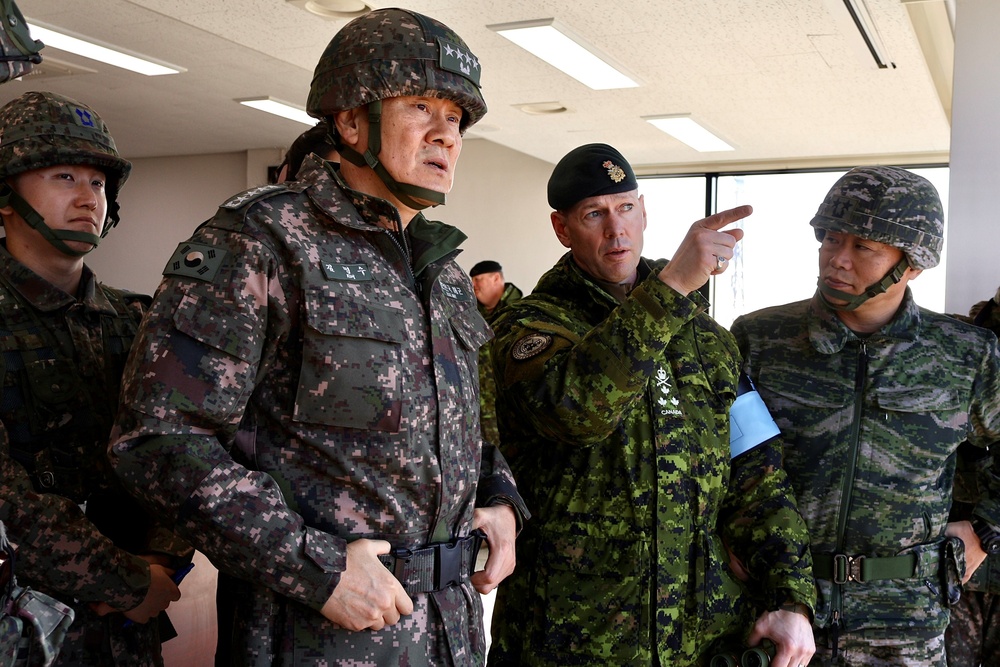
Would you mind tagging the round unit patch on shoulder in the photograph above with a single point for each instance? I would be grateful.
(530, 346)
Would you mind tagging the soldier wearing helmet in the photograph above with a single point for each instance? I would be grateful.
(874, 395)
(64, 338)
(304, 401)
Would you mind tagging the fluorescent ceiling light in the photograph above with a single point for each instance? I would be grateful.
(869, 31)
(854, 21)
(89, 49)
(279, 108)
(561, 48)
(686, 130)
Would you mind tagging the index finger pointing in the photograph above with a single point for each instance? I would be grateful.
(723, 218)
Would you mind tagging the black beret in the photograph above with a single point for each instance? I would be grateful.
(485, 266)
(589, 171)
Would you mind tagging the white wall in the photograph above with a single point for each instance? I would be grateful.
(973, 271)
(498, 201)
(161, 204)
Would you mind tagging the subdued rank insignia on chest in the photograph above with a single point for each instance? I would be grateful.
(238, 201)
(456, 292)
(195, 260)
(346, 272)
(530, 346)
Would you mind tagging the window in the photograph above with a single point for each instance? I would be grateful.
(776, 262)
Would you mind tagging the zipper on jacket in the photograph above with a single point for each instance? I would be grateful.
(861, 370)
(398, 237)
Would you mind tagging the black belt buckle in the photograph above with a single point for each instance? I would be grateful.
(436, 566)
(448, 559)
(448, 564)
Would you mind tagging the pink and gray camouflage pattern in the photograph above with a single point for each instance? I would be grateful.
(315, 384)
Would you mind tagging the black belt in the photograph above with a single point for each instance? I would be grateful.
(436, 566)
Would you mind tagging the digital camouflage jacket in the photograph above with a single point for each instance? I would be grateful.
(977, 469)
(307, 377)
(76, 530)
(487, 384)
(871, 427)
(614, 418)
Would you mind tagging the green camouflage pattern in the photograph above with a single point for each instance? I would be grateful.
(614, 418)
(487, 382)
(892, 408)
(44, 622)
(18, 51)
(317, 386)
(396, 53)
(888, 205)
(878, 648)
(41, 129)
(62, 363)
(973, 634)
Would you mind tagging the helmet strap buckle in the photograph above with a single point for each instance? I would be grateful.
(37, 222)
(856, 300)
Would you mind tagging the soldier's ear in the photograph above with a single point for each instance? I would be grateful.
(559, 227)
(349, 126)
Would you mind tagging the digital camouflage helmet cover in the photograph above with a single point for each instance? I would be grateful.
(888, 205)
(394, 53)
(41, 129)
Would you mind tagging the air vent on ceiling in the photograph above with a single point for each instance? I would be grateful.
(334, 10)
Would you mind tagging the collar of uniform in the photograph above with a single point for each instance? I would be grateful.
(373, 210)
(45, 296)
(322, 182)
(567, 276)
(432, 240)
(829, 335)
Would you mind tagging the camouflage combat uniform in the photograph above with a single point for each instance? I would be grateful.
(487, 385)
(75, 528)
(307, 377)
(870, 427)
(973, 635)
(614, 418)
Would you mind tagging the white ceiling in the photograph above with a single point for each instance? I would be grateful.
(778, 79)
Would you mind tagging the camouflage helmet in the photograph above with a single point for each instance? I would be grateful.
(41, 129)
(45, 129)
(395, 53)
(888, 205)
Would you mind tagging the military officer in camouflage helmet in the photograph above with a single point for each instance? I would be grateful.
(973, 634)
(614, 396)
(64, 339)
(303, 401)
(873, 396)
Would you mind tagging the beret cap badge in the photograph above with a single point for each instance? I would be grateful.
(616, 173)
(591, 170)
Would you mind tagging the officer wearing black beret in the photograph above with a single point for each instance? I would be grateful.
(614, 395)
(589, 171)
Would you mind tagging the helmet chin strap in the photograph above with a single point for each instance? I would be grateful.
(855, 300)
(407, 193)
(54, 236)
